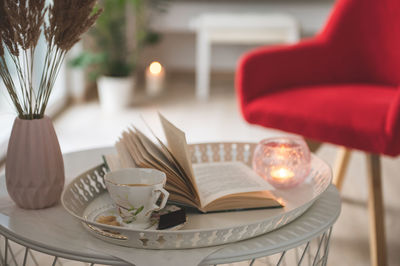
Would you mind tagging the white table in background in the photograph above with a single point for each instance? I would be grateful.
(223, 28)
(305, 241)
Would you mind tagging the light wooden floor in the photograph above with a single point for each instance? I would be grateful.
(85, 126)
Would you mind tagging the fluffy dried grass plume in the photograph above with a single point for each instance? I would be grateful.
(25, 18)
(68, 20)
(21, 24)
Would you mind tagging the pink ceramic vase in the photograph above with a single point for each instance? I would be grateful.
(34, 164)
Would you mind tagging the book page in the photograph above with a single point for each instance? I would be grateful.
(161, 165)
(156, 152)
(167, 164)
(216, 180)
(112, 161)
(124, 155)
(168, 154)
(177, 144)
(133, 150)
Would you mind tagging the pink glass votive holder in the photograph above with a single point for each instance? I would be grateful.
(284, 162)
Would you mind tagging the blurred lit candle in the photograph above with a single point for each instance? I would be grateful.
(155, 78)
(284, 162)
(282, 174)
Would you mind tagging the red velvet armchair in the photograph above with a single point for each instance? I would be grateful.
(340, 87)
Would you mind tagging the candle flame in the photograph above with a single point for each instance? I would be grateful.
(282, 173)
(155, 68)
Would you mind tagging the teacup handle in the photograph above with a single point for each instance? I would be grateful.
(165, 195)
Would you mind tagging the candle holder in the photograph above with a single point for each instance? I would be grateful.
(155, 79)
(283, 162)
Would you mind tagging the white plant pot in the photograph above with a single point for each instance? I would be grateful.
(115, 94)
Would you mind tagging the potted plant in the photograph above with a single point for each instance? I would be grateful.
(34, 164)
(116, 41)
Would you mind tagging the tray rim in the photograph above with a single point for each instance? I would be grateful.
(304, 207)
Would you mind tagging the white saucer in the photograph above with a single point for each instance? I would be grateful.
(109, 209)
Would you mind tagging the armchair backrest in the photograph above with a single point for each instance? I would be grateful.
(369, 30)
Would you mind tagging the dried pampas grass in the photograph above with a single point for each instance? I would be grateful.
(21, 25)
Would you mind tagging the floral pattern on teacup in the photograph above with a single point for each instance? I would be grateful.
(128, 215)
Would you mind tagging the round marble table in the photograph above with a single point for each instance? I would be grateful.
(54, 232)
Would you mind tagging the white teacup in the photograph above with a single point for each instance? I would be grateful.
(135, 191)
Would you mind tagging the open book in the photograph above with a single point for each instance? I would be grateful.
(206, 186)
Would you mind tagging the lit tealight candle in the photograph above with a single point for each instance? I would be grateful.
(155, 77)
(283, 162)
(282, 174)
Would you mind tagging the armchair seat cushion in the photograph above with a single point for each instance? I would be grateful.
(353, 115)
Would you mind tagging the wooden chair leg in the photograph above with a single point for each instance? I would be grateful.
(339, 171)
(376, 212)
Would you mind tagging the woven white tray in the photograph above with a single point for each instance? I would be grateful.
(87, 192)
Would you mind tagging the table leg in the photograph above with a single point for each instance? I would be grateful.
(33, 257)
(326, 252)
(54, 261)
(6, 251)
(304, 253)
(12, 254)
(281, 258)
(1, 257)
(25, 256)
(316, 258)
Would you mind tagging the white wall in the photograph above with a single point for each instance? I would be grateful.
(177, 48)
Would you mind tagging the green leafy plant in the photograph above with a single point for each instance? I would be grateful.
(116, 42)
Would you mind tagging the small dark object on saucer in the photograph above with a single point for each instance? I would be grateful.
(172, 219)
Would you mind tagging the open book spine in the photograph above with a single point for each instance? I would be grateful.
(136, 150)
(207, 187)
